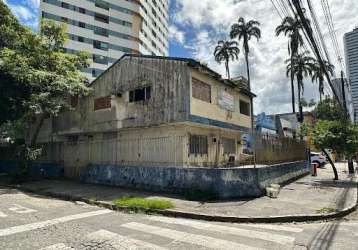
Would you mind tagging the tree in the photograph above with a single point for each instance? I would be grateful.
(245, 31)
(319, 75)
(340, 136)
(329, 109)
(300, 66)
(226, 51)
(12, 93)
(35, 65)
(306, 104)
(339, 127)
(292, 28)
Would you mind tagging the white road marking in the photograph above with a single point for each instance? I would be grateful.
(117, 241)
(280, 239)
(21, 210)
(59, 246)
(2, 215)
(201, 240)
(47, 223)
(276, 227)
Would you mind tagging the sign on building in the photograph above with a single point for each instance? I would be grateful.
(226, 101)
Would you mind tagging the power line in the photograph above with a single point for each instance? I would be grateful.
(308, 29)
(332, 32)
(278, 12)
(320, 35)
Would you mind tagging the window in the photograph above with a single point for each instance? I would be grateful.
(102, 103)
(245, 108)
(100, 59)
(141, 94)
(198, 144)
(102, 4)
(101, 31)
(100, 45)
(82, 25)
(80, 39)
(101, 18)
(229, 146)
(201, 90)
(64, 19)
(65, 5)
(82, 10)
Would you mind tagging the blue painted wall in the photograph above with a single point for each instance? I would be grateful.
(226, 183)
(46, 170)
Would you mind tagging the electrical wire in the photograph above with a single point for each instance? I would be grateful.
(332, 33)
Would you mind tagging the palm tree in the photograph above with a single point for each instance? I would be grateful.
(245, 31)
(300, 66)
(319, 75)
(292, 27)
(226, 51)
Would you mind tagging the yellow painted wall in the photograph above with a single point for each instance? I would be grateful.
(213, 110)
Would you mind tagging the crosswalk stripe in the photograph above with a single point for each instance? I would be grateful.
(42, 224)
(21, 210)
(2, 215)
(59, 246)
(280, 239)
(121, 242)
(205, 241)
(276, 227)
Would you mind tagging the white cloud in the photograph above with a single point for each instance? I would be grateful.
(34, 3)
(176, 35)
(26, 11)
(22, 12)
(208, 21)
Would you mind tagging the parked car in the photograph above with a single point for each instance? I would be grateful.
(318, 158)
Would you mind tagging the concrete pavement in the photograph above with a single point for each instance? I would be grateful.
(35, 222)
(305, 199)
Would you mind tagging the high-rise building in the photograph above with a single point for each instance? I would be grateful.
(351, 50)
(107, 29)
(344, 94)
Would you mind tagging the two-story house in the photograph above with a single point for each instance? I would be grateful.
(152, 111)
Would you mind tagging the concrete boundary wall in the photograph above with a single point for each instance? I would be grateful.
(224, 182)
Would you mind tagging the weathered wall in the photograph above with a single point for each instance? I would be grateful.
(170, 92)
(36, 170)
(155, 146)
(213, 110)
(226, 183)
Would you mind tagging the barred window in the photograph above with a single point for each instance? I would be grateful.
(198, 144)
(201, 90)
(229, 146)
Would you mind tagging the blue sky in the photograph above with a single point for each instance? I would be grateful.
(197, 25)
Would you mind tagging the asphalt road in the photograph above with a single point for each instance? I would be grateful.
(28, 221)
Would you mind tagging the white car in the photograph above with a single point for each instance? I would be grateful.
(318, 158)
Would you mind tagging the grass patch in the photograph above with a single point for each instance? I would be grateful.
(92, 200)
(325, 210)
(139, 203)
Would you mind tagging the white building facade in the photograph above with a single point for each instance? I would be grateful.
(351, 50)
(108, 29)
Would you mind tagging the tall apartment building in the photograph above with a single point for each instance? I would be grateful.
(108, 29)
(351, 50)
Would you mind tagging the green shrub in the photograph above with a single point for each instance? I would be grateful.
(139, 203)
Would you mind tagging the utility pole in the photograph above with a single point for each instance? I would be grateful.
(350, 160)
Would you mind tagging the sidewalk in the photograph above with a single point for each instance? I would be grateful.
(309, 198)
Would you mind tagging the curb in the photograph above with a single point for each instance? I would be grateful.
(196, 216)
